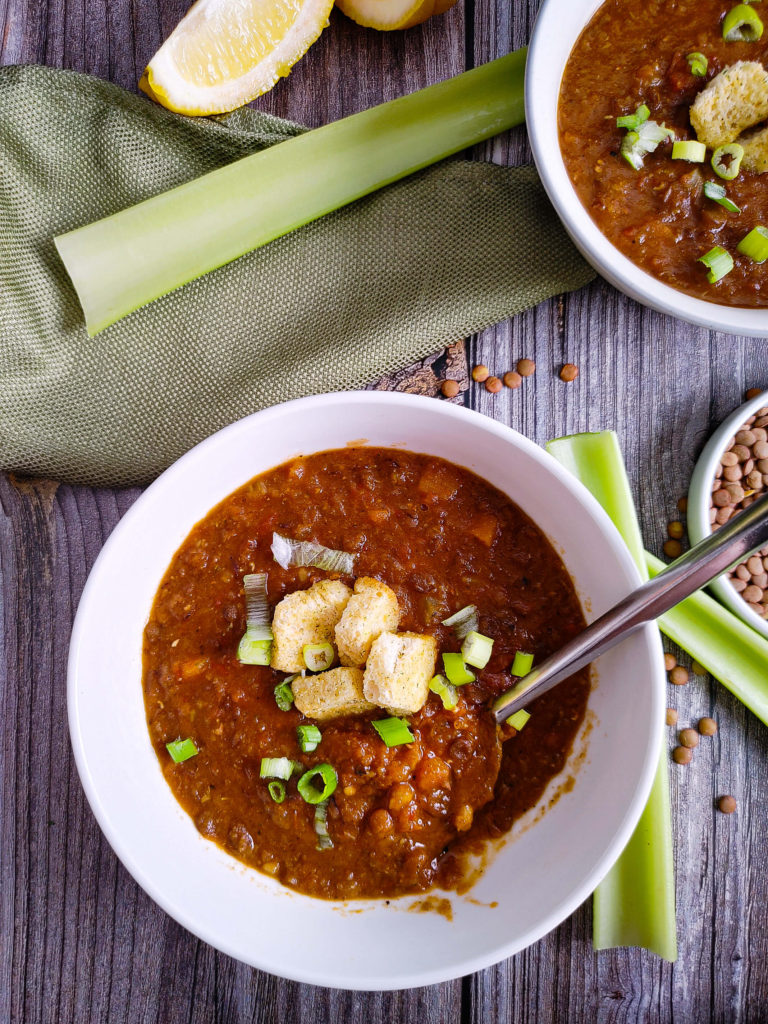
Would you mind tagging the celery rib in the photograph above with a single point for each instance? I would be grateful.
(122, 262)
(634, 905)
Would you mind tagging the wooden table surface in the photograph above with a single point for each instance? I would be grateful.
(79, 940)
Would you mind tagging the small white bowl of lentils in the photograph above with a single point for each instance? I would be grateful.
(731, 473)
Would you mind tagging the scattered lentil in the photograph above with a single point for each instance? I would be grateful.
(512, 379)
(569, 372)
(682, 755)
(670, 661)
(480, 373)
(671, 716)
(707, 726)
(450, 388)
(698, 669)
(493, 384)
(751, 393)
(673, 548)
(727, 804)
(678, 676)
(689, 738)
(682, 505)
(675, 529)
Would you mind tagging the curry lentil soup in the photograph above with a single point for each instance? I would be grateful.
(402, 818)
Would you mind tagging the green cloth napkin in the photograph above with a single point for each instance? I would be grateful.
(359, 293)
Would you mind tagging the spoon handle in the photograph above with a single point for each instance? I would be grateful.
(729, 545)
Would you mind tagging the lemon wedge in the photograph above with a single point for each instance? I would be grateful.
(224, 53)
(392, 14)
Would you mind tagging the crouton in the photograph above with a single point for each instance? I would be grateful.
(331, 694)
(398, 672)
(371, 611)
(734, 100)
(755, 151)
(306, 617)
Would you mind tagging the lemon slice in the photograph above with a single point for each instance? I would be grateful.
(392, 14)
(224, 53)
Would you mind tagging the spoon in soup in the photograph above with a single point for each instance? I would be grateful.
(731, 544)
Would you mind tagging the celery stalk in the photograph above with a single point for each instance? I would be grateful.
(634, 905)
(731, 650)
(125, 261)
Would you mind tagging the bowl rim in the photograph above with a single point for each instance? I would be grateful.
(419, 976)
(610, 262)
(699, 491)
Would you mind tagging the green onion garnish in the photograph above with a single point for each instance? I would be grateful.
(318, 657)
(457, 672)
(717, 192)
(309, 737)
(324, 841)
(727, 168)
(309, 791)
(518, 720)
(755, 244)
(693, 152)
(254, 652)
(476, 649)
(255, 647)
(394, 731)
(698, 64)
(284, 694)
(719, 263)
(742, 25)
(276, 790)
(522, 664)
(276, 768)
(446, 692)
(181, 750)
(464, 621)
(633, 121)
(644, 139)
(287, 553)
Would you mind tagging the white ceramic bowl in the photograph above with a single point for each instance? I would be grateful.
(557, 28)
(540, 874)
(699, 496)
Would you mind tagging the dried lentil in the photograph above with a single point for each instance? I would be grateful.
(450, 388)
(678, 676)
(675, 529)
(670, 661)
(480, 373)
(671, 716)
(689, 738)
(525, 367)
(726, 804)
(493, 385)
(707, 726)
(673, 548)
(512, 379)
(682, 755)
(569, 372)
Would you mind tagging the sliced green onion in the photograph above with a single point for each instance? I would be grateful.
(522, 664)
(287, 553)
(457, 672)
(445, 691)
(633, 121)
(318, 657)
(718, 261)
(742, 25)
(394, 731)
(309, 737)
(727, 169)
(181, 750)
(717, 192)
(276, 790)
(634, 905)
(284, 694)
(477, 649)
(755, 244)
(125, 261)
(324, 841)
(254, 652)
(464, 621)
(645, 139)
(693, 152)
(698, 64)
(257, 618)
(276, 768)
(310, 792)
(518, 720)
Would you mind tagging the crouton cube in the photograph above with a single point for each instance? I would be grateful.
(398, 671)
(306, 617)
(755, 151)
(371, 611)
(734, 100)
(331, 694)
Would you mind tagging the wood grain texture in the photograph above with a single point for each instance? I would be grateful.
(79, 941)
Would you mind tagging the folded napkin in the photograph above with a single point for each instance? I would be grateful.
(359, 293)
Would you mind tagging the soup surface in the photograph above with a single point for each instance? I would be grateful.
(634, 52)
(402, 818)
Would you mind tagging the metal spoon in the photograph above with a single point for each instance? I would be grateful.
(731, 544)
